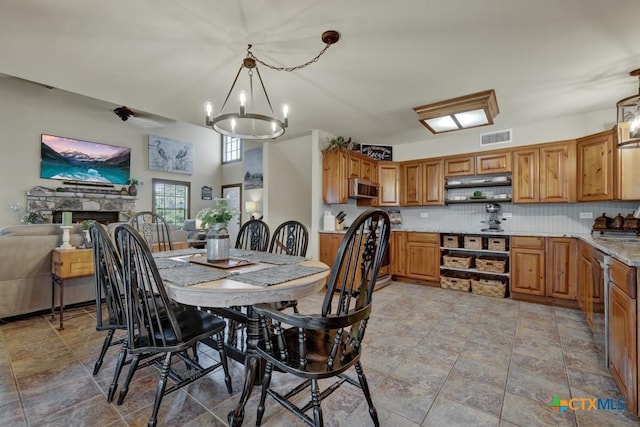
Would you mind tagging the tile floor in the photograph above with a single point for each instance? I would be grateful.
(433, 357)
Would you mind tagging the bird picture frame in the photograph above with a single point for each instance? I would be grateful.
(170, 155)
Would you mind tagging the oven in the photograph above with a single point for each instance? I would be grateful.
(601, 263)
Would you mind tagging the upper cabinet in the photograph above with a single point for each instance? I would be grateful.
(628, 174)
(422, 183)
(433, 182)
(338, 166)
(389, 180)
(595, 167)
(494, 162)
(545, 173)
(411, 181)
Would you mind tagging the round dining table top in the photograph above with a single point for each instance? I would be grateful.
(228, 292)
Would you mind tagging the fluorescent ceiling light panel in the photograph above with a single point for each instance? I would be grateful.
(442, 124)
(470, 119)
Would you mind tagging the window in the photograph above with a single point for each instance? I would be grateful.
(231, 149)
(171, 200)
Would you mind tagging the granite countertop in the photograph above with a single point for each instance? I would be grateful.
(624, 249)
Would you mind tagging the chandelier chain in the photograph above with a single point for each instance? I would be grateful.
(297, 67)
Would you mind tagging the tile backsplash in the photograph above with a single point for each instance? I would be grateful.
(565, 217)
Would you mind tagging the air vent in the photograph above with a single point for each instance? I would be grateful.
(498, 137)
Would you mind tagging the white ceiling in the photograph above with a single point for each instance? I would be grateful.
(544, 58)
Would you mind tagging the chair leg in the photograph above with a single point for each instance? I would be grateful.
(315, 401)
(105, 346)
(195, 352)
(367, 393)
(162, 384)
(222, 352)
(266, 381)
(120, 363)
(125, 387)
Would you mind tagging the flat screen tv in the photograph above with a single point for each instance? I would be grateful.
(80, 161)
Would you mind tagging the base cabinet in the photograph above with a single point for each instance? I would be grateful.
(562, 268)
(415, 255)
(527, 266)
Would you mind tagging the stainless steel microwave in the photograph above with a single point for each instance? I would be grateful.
(359, 189)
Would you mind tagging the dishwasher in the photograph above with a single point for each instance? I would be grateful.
(601, 262)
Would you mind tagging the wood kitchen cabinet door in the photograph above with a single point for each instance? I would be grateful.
(586, 281)
(354, 167)
(526, 171)
(460, 166)
(329, 245)
(423, 256)
(595, 167)
(389, 180)
(368, 170)
(334, 176)
(623, 330)
(557, 173)
(433, 183)
(411, 184)
(398, 261)
(562, 268)
(493, 163)
(528, 265)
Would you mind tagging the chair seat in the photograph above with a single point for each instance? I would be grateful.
(192, 323)
(318, 344)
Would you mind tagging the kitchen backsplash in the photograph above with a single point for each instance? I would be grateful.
(467, 217)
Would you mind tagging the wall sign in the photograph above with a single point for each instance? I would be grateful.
(206, 193)
(377, 152)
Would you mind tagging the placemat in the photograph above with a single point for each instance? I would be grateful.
(163, 263)
(277, 275)
(266, 257)
(178, 252)
(193, 274)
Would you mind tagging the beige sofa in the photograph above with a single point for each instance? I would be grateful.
(25, 268)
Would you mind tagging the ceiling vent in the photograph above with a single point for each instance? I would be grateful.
(498, 137)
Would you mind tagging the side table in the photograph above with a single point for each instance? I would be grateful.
(68, 264)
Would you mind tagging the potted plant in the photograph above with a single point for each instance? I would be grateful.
(216, 219)
(221, 214)
(86, 240)
(133, 186)
(339, 142)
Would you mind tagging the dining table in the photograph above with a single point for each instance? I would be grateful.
(247, 278)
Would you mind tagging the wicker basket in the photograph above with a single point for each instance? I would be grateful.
(451, 241)
(497, 244)
(456, 283)
(489, 287)
(473, 242)
(458, 261)
(492, 265)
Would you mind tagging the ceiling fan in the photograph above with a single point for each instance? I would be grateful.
(137, 119)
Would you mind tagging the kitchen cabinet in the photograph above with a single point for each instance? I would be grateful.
(389, 180)
(423, 256)
(329, 245)
(411, 181)
(562, 268)
(623, 356)
(497, 162)
(527, 266)
(433, 183)
(460, 166)
(628, 174)
(544, 174)
(398, 261)
(586, 282)
(422, 183)
(595, 166)
(338, 166)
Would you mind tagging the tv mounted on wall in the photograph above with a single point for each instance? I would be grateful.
(80, 161)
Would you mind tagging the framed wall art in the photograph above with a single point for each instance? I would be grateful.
(253, 177)
(170, 155)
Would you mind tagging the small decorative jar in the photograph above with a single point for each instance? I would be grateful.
(218, 243)
(133, 190)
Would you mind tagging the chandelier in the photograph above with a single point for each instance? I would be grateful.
(248, 123)
(629, 118)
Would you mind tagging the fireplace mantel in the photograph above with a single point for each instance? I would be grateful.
(46, 202)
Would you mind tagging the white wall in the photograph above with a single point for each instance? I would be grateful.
(27, 110)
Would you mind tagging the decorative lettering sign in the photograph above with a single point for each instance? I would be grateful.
(377, 152)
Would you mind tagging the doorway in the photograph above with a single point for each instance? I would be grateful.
(233, 192)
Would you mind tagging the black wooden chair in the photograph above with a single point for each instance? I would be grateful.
(290, 238)
(154, 229)
(325, 345)
(156, 326)
(253, 235)
(107, 274)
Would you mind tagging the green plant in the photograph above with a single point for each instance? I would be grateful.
(28, 216)
(134, 182)
(222, 213)
(87, 223)
(339, 142)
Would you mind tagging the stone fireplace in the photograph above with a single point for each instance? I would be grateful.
(101, 205)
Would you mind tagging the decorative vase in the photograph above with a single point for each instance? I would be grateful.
(133, 190)
(86, 240)
(218, 243)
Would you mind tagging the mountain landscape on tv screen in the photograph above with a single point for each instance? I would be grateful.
(72, 163)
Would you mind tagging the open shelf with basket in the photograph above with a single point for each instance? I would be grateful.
(476, 263)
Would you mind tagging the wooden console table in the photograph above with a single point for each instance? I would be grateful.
(68, 264)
